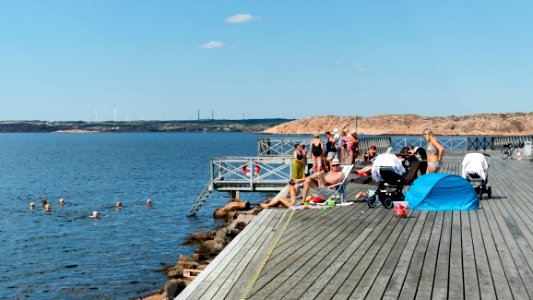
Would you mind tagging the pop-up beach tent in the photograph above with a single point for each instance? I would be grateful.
(441, 192)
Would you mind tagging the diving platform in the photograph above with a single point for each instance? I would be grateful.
(354, 252)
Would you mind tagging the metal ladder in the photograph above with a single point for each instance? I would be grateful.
(202, 195)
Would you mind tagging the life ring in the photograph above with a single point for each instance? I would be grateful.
(245, 168)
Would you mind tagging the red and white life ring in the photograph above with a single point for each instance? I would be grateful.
(245, 168)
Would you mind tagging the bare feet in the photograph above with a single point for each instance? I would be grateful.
(264, 205)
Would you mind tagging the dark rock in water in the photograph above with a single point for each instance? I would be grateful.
(174, 272)
(199, 237)
(222, 212)
(174, 287)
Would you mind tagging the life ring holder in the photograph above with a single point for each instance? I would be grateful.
(257, 168)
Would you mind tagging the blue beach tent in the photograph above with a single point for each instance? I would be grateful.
(441, 192)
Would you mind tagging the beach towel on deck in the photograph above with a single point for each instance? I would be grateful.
(441, 192)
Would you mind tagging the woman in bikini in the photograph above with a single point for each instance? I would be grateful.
(435, 151)
(317, 152)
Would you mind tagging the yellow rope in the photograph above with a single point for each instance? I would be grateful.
(265, 259)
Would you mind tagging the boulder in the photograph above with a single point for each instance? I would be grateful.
(175, 271)
(173, 288)
(198, 237)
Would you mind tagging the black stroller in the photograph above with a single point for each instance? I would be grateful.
(390, 188)
(476, 171)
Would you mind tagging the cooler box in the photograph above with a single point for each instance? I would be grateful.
(527, 148)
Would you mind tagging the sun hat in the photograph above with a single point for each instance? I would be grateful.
(335, 162)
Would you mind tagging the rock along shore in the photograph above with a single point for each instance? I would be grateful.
(236, 216)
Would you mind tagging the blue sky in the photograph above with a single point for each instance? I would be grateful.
(62, 60)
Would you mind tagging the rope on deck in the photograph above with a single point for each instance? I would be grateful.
(261, 266)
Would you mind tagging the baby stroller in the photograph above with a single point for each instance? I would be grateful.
(390, 188)
(476, 171)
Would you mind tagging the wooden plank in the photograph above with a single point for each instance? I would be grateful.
(332, 278)
(484, 273)
(410, 264)
(196, 288)
(389, 256)
(234, 282)
(313, 236)
(358, 265)
(440, 286)
(272, 281)
(514, 262)
(501, 285)
(425, 285)
(315, 273)
(228, 266)
(469, 272)
(456, 289)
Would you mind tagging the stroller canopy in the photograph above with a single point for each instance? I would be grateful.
(441, 192)
(475, 163)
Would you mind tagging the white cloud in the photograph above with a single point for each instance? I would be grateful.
(241, 18)
(212, 45)
(359, 67)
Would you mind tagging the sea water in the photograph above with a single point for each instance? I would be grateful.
(64, 254)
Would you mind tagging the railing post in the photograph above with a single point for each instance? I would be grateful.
(212, 172)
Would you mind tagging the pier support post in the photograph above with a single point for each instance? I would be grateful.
(234, 196)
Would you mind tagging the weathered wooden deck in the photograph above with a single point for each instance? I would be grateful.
(356, 252)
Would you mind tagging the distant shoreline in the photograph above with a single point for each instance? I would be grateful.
(248, 125)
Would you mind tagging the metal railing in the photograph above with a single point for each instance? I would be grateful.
(499, 141)
(269, 147)
(249, 173)
(453, 143)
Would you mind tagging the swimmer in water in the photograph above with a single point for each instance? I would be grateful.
(61, 202)
(148, 203)
(43, 202)
(95, 215)
(119, 205)
(32, 205)
(47, 208)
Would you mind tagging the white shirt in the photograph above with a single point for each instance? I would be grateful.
(386, 160)
(338, 140)
(475, 163)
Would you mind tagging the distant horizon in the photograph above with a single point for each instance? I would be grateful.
(275, 118)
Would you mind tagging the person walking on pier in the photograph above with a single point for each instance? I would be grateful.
(435, 151)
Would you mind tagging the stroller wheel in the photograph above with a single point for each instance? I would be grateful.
(387, 203)
(480, 192)
(489, 192)
(372, 202)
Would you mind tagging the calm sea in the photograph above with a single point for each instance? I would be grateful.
(65, 254)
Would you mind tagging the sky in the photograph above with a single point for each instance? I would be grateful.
(168, 60)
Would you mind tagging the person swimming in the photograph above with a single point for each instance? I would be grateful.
(32, 205)
(118, 205)
(95, 215)
(61, 202)
(47, 208)
(148, 203)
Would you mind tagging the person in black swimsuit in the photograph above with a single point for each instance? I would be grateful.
(317, 151)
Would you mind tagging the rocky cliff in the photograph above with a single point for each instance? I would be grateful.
(480, 124)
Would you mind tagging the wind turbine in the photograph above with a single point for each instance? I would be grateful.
(95, 116)
(115, 112)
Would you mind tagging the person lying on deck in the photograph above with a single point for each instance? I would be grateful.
(316, 180)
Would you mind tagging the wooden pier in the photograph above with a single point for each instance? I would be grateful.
(353, 252)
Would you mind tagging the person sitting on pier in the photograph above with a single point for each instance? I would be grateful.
(370, 154)
(316, 180)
